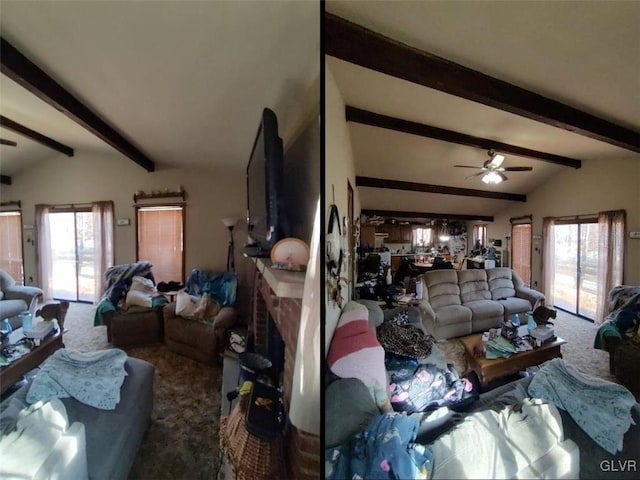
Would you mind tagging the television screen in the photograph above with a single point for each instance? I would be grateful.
(265, 213)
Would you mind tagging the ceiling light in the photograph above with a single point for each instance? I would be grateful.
(491, 178)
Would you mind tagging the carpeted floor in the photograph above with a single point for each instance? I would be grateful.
(182, 440)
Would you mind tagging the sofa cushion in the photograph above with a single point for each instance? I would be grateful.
(442, 288)
(453, 314)
(473, 285)
(515, 305)
(501, 283)
(482, 309)
(356, 353)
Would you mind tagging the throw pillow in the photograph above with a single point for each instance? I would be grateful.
(348, 410)
(376, 315)
(356, 353)
(207, 308)
(142, 284)
(138, 298)
(186, 304)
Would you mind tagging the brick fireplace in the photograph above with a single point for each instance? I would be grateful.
(277, 302)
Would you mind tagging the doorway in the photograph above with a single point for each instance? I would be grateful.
(72, 255)
(575, 268)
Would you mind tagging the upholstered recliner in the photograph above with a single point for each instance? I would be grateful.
(15, 299)
(199, 340)
(202, 340)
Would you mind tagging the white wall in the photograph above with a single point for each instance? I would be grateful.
(339, 169)
(598, 186)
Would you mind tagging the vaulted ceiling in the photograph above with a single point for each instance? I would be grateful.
(581, 55)
(183, 82)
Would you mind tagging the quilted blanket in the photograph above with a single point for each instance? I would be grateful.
(93, 378)
(601, 408)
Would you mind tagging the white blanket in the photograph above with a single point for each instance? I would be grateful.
(93, 378)
(503, 444)
(44, 445)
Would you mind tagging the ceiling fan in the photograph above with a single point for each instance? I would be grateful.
(10, 143)
(492, 169)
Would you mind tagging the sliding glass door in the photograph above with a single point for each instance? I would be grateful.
(575, 269)
(72, 255)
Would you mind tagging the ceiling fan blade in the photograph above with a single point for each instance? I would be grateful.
(496, 160)
(503, 176)
(516, 169)
(11, 143)
(475, 175)
(467, 166)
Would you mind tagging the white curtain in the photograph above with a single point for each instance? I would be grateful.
(548, 258)
(43, 251)
(611, 226)
(305, 398)
(103, 243)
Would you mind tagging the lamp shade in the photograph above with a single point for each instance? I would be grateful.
(229, 222)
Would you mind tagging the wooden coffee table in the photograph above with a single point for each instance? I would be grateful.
(489, 370)
(13, 373)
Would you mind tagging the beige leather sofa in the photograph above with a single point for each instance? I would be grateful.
(460, 302)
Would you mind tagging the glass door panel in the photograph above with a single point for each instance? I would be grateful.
(63, 256)
(565, 250)
(86, 256)
(587, 300)
(72, 256)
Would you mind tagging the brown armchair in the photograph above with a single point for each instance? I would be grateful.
(199, 340)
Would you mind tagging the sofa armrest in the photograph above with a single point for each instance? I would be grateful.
(534, 297)
(225, 319)
(26, 293)
(428, 316)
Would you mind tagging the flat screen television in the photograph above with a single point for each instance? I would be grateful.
(266, 220)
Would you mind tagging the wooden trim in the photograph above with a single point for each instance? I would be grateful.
(5, 179)
(430, 215)
(10, 143)
(355, 44)
(521, 220)
(365, 117)
(35, 136)
(27, 74)
(10, 203)
(142, 195)
(441, 189)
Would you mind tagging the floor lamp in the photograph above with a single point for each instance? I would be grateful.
(230, 223)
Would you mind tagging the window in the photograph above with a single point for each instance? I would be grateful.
(160, 234)
(521, 251)
(422, 237)
(480, 235)
(11, 245)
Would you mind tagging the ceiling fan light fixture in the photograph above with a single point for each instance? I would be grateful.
(492, 178)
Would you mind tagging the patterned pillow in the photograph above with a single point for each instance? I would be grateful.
(356, 353)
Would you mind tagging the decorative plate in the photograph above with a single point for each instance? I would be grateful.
(290, 251)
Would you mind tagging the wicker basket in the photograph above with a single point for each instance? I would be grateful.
(249, 456)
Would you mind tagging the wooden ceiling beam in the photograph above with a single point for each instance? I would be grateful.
(429, 215)
(5, 179)
(366, 117)
(27, 74)
(355, 44)
(35, 136)
(440, 189)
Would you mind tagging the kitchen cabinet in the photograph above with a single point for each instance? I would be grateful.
(368, 235)
(406, 233)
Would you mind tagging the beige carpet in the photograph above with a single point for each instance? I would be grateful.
(578, 351)
(182, 440)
